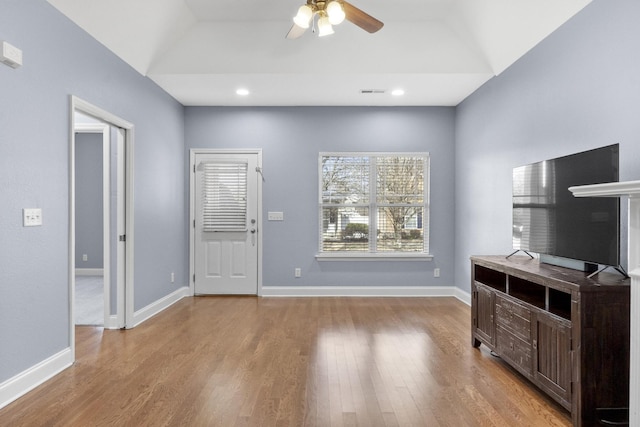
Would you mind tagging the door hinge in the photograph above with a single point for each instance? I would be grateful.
(194, 223)
(194, 168)
(194, 278)
(122, 238)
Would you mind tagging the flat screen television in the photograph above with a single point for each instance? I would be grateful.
(548, 219)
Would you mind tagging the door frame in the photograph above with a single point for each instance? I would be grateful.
(192, 209)
(125, 294)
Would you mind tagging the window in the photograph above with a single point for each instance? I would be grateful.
(374, 204)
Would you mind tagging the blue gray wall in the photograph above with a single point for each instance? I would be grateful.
(60, 59)
(291, 139)
(577, 90)
(89, 201)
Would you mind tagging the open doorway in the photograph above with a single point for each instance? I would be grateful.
(92, 208)
(114, 192)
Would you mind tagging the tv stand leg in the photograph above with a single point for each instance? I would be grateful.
(519, 250)
(618, 268)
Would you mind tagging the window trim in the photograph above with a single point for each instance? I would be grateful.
(424, 255)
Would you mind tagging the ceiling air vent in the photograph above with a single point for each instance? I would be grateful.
(370, 91)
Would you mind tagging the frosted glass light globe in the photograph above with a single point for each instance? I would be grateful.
(303, 18)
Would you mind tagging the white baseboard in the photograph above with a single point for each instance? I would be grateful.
(26, 381)
(366, 291)
(463, 296)
(112, 322)
(89, 272)
(156, 307)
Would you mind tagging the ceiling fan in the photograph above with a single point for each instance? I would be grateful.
(329, 13)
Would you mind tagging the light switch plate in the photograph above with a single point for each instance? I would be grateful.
(275, 216)
(10, 55)
(31, 217)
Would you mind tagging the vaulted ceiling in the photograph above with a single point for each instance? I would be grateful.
(202, 51)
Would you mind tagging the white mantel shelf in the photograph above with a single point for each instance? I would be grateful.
(611, 189)
(632, 190)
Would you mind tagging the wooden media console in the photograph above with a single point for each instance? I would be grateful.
(564, 332)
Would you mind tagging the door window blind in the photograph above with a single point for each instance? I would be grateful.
(224, 188)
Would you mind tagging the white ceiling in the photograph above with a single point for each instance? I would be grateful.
(201, 51)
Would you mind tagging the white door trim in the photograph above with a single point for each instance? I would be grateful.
(192, 211)
(105, 131)
(79, 105)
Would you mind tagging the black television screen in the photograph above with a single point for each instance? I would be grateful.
(548, 219)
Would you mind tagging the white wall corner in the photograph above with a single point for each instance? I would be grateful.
(26, 381)
(463, 296)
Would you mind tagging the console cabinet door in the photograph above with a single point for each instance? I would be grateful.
(552, 356)
(484, 311)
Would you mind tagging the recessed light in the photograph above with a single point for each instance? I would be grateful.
(242, 92)
(397, 92)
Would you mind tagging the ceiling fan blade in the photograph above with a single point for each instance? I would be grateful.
(295, 32)
(360, 18)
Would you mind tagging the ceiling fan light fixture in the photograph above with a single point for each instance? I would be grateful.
(303, 18)
(324, 26)
(335, 12)
(323, 14)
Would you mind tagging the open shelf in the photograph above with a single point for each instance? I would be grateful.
(492, 278)
(560, 303)
(527, 291)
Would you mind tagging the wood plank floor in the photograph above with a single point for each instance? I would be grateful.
(245, 361)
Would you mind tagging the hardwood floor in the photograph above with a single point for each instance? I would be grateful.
(244, 361)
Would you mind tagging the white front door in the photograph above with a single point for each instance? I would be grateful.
(226, 223)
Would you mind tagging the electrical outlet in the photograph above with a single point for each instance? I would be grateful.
(85, 257)
(298, 272)
(173, 277)
(436, 272)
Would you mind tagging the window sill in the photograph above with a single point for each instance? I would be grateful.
(373, 257)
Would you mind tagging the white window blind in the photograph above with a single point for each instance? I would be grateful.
(224, 188)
